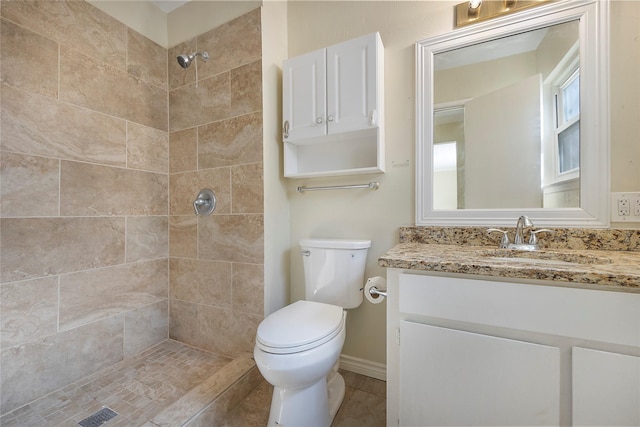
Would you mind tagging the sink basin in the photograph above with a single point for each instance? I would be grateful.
(545, 257)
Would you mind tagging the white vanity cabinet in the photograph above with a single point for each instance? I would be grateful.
(450, 377)
(333, 110)
(471, 350)
(606, 388)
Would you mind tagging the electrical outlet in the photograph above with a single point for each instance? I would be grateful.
(625, 207)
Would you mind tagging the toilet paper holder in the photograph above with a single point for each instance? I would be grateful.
(376, 293)
(376, 287)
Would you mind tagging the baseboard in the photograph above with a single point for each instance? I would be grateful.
(363, 367)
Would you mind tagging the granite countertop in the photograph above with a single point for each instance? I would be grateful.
(601, 267)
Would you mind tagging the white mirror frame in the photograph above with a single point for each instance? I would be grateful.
(594, 124)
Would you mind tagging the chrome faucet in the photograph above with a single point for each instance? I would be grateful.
(523, 221)
(518, 243)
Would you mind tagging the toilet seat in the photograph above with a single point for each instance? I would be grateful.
(300, 326)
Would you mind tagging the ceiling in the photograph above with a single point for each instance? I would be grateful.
(168, 5)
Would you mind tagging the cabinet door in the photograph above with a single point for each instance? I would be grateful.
(304, 96)
(454, 378)
(606, 388)
(352, 83)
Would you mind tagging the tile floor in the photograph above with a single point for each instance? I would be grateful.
(364, 405)
(139, 388)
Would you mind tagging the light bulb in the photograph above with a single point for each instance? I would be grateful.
(474, 4)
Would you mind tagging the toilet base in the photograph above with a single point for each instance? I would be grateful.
(336, 389)
(313, 406)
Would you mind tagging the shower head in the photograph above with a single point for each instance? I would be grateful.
(185, 60)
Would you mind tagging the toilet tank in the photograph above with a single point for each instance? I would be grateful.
(334, 270)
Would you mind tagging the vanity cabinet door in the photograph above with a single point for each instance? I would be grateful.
(606, 388)
(451, 378)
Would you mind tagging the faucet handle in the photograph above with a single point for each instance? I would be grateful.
(504, 242)
(533, 240)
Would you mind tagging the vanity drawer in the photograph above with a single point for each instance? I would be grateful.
(603, 316)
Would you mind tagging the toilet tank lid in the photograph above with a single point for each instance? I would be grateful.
(335, 243)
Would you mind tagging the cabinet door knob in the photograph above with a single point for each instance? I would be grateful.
(319, 120)
(285, 129)
(330, 118)
(373, 118)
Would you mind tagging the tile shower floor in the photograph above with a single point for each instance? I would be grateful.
(141, 387)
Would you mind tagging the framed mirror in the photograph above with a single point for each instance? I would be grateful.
(512, 119)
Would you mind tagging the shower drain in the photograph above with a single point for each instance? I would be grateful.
(99, 418)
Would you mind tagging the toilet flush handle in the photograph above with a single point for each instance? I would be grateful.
(305, 253)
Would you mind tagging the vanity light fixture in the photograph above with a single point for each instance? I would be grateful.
(474, 7)
(473, 11)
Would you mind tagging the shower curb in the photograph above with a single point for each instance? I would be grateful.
(213, 398)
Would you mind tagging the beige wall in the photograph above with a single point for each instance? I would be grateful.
(377, 215)
(625, 97)
(84, 157)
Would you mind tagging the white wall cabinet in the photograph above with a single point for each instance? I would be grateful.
(472, 351)
(333, 110)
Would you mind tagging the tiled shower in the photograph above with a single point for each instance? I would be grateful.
(105, 142)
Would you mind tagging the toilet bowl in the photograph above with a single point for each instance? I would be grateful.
(298, 347)
(299, 369)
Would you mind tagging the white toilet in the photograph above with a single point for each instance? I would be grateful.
(297, 347)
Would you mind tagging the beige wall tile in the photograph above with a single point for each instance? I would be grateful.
(183, 236)
(246, 89)
(179, 76)
(110, 309)
(183, 322)
(145, 327)
(192, 106)
(24, 50)
(215, 329)
(147, 148)
(35, 247)
(39, 367)
(247, 188)
(231, 141)
(87, 82)
(230, 45)
(77, 24)
(248, 288)
(236, 238)
(227, 332)
(183, 150)
(87, 189)
(147, 238)
(88, 296)
(29, 186)
(184, 188)
(38, 125)
(200, 281)
(29, 310)
(146, 59)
